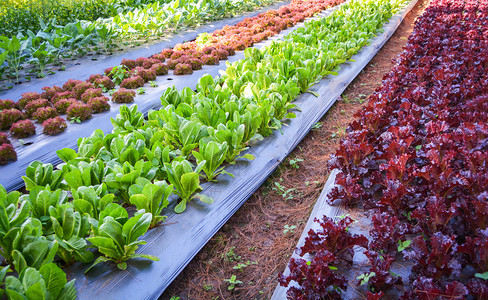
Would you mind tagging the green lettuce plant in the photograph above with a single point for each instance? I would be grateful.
(212, 154)
(70, 229)
(118, 241)
(49, 282)
(40, 174)
(151, 197)
(186, 182)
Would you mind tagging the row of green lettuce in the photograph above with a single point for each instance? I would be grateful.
(55, 41)
(149, 163)
(22, 15)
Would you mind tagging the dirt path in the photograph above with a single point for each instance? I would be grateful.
(256, 243)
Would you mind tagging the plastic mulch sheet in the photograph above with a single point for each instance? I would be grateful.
(182, 236)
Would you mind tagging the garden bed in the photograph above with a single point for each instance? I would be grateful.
(61, 40)
(42, 147)
(411, 217)
(201, 221)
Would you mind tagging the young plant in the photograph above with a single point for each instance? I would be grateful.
(30, 247)
(153, 198)
(13, 213)
(213, 154)
(70, 229)
(128, 119)
(9, 117)
(295, 162)
(7, 153)
(54, 126)
(232, 282)
(22, 129)
(281, 190)
(39, 174)
(49, 282)
(118, 241)
(289, 229)
(141, 91)
(41, 199)
(88, 200)
(186, 182)
(118, 74)
(233, 135)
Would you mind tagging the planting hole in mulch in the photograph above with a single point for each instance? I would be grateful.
(244, 258)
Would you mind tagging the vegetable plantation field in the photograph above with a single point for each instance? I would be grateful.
(411, 165)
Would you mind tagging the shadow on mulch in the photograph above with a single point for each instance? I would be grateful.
(256, 243)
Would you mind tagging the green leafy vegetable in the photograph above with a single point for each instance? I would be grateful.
(153, 198)
(118, 242)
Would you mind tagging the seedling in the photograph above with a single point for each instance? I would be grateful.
(232, 281)
(141, 91)
(289, 229)
(317, 125)
(75, 120)
(101, 86)
(283, 192)
(294, 162)
(365, 277)
(341, 131)
(207, 287)
(241, 266)
(119, 73)
(483, 276)
(230, 256)
(403, 245)
(153, 84)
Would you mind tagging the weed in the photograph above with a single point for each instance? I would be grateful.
(403, 245)
(341, 132)
(294, 162)
(207, 287)
(243, 265)
(345, 98)
(75, 120)
(283, 192)
(232, 282)
(317, 125)
(365, 277)
(119, 73)
(230, 255)
(289, 229)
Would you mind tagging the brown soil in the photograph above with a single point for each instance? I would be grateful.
(256, 243)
